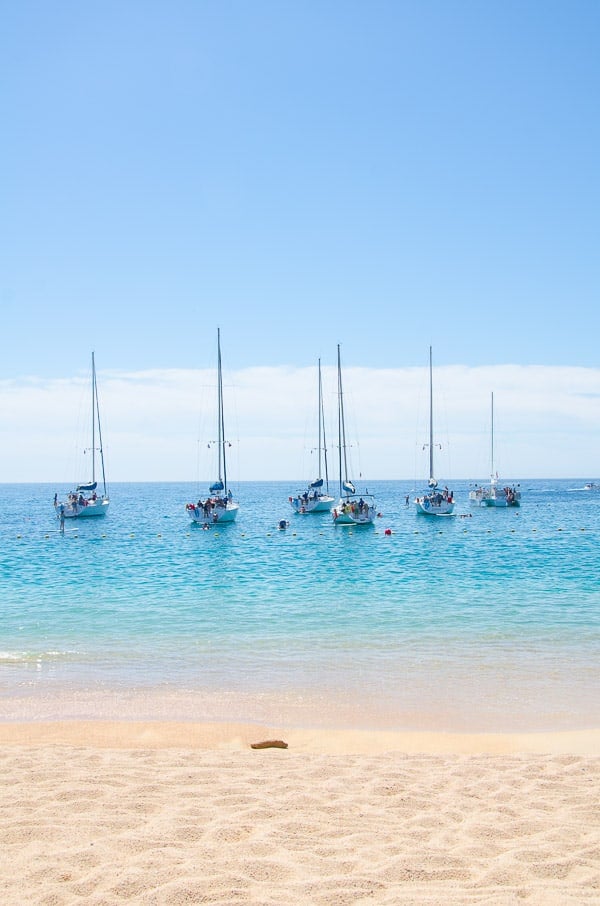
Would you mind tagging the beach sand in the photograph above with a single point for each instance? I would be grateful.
(109, 812)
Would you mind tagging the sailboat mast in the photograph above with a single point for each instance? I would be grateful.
(319, 476)
(222, 468)
(93, 419)
(341, 427)
(492, 438)
(322, 426)
(431, 475)
(96, 402)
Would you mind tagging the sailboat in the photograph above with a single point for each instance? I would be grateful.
(494, 495)
(219, 505)
(84, 499)
(352, 508)
(434, 502)
(314, 499)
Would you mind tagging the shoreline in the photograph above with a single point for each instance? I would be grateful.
(238, 736)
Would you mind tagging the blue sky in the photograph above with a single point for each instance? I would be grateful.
(384, 175)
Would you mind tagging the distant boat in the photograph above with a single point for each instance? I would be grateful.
(494, 495)
(591, 486)
(84, 501)
(352, 508)
(314, 499)
(219, 505)
(433, 502)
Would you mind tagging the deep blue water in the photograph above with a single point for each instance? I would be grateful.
(481, 621)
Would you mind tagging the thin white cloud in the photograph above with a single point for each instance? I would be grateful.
(157, 424)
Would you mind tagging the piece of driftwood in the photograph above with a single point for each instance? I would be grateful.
(269, 744)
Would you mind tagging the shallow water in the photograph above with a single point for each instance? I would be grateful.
(488, 620)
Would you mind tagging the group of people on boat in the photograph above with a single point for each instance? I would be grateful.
(440, 497)
(209, 508)
(305, 497)
(74, 499)
(353, 508)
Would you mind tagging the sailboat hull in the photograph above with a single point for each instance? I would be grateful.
(320, 504)
(429, 505)
(494, 497)
(217, 515)
(352, 511)
(97, 507)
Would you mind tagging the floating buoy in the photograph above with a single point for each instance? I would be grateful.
(388, 531)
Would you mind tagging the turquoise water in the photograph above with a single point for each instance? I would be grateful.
(483, 621)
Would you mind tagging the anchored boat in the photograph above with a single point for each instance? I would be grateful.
(219, 505)
(495, 494)
(316, 498)
(352, 508)
(84, 500)
(434, 502)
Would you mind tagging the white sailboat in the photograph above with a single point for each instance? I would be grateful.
(434, 502)
(218, 506)
(352, 508)
(495, 495)
(84, 500)
(315, 499)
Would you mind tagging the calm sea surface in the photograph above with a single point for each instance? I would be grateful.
(489, 621)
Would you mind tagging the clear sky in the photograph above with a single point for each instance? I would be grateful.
(384, 175)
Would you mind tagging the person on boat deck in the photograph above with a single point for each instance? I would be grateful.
(229, 495)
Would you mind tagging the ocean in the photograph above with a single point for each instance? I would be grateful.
(488, 620)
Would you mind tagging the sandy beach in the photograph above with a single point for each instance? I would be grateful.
(105, 812)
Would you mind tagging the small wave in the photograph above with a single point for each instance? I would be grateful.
(35, 657)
